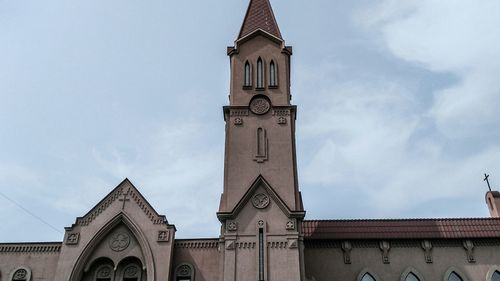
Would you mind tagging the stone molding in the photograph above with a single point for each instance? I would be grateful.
(30, 248)
(277, 245)
(197, 244)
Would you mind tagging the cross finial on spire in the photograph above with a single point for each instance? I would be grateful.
(259, 16)
(486, 179)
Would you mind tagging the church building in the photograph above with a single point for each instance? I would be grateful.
(264, 235)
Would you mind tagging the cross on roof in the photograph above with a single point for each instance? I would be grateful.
(486, 179)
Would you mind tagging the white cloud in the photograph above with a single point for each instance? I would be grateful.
(457, 37)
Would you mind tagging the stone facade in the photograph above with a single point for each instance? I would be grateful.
(263, 232)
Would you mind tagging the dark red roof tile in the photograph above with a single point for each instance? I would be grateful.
(259, 16)
(402, 228)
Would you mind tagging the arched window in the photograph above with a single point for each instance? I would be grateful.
(20, 274)
(411, 277)
(273, 79)
(495, 276)
(248, 75)
(184, 272)
(367, 277)
(454, 277)
(260, 74)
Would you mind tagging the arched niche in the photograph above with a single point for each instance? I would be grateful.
(113, 227)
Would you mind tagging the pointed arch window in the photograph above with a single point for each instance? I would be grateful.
(367, 277)
(411, 277)
(260, 74)
(454, 277)
(273, 74)
(247, 75)
(495, 276)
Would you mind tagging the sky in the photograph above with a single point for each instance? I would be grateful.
(397, 107)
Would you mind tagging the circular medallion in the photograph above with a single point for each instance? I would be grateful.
(119, 242)
(260, 106)
(104, 272)
(260, 201)
(131, 271)
(184, 270)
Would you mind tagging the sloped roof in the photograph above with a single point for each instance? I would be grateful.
(402, 228)
(260, 16)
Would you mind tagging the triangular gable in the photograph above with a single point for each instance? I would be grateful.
(124, 191)
(261, 32)
(260, 182)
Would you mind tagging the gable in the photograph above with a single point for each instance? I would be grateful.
(125, 193)
(260, 184)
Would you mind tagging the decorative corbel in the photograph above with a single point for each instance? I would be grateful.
(385, 247)
(347, 248)
(427, 246)
(469, 248)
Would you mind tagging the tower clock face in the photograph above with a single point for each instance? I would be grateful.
(260, 106)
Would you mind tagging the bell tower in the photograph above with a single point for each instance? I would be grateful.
(261, 207)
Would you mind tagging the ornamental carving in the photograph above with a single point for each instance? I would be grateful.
(427, 246)
(347, 248)
(104, 272)
(119, 242)
(163, 235)
(131, 272)
(72, 238)
(290, 225)
(385, 247)
(20, 274)
(282, 120)
(260, 106)
(260, 201)
(238, 121)
(184, 270)
(232, 226)
(469, 248)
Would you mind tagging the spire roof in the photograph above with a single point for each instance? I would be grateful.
(259, 16)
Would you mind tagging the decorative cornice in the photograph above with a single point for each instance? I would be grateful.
(197, 244)
(27, 248)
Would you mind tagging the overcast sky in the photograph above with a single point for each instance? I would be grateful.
(398, 107)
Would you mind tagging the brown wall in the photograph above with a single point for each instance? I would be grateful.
(324, 261)
(202, 254)
(41, 258)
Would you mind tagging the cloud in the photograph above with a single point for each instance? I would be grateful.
(460, 38)
(377, 143)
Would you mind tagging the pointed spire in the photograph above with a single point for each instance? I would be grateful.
(260, 16)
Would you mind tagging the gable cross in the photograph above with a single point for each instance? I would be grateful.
(486, 179)
(124, 197)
